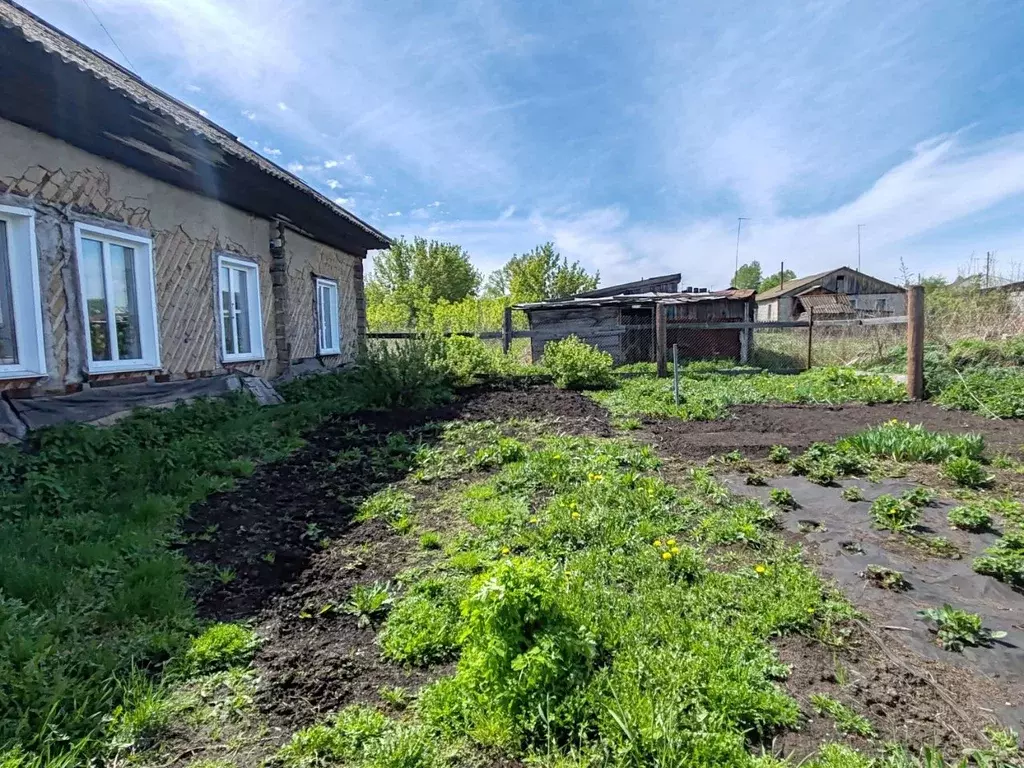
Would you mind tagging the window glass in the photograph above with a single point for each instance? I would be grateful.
(126, 304)
(96, 298)
(239, 306)
(227, 312)
(241, 297)
(8, 332)
(326, 315)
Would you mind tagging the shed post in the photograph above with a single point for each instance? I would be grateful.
(810, 334)
(506, 331)
(660, 339)
(745, 334)
(915, 342)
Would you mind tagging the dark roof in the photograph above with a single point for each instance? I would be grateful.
(826, 303)
(56, 85)
(636, 285)
(791, 286)
(584, 302)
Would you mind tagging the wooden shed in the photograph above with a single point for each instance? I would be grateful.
(622, 323)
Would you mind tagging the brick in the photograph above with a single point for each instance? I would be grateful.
(25, 187)
(58, 177)
(99, 203)
(35, 174)
(49, 191)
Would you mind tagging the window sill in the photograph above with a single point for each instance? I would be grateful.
(100, 369)
(243, 359)
(20, 373)
(328, 352)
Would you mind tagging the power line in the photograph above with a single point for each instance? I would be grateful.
(110, 36)
(739, 225)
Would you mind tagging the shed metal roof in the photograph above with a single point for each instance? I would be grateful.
(54, 84)
(582, 302)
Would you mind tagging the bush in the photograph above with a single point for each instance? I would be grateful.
(410, 373)
(970, 517)
(965, 472)
(778, 454)
(575, 364)
(894, 514)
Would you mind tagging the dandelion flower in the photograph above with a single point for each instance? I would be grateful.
(505, 550)
(534, 520)
(666, 555)
(671, 542)
(657, 542)
(674, 550)
(760, 568)
(575, 515)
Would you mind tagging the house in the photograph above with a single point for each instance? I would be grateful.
(142, 244)
(619, 319)
(865, 296)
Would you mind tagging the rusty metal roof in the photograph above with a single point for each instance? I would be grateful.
(827, 303)
(54, 84)
(581, 302)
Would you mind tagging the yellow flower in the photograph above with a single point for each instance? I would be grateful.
(575, 515)
(760, 568)
(534, 520)
(657, 542)
(666, 555)
(810, 610)
(671, 542)
(505, 551)
(674, 550)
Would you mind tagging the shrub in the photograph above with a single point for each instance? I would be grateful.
(1004, 560)
(404, 373)
(778, 454)
(894, 514)
(966, 472)
(900, 441)
(220, 646)
(956, 628)
(575, 364)
(970, 517)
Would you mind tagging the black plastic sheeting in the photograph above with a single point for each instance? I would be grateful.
(933, 581)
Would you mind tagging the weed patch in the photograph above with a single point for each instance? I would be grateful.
(956, 628)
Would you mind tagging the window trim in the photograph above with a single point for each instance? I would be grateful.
(257, 352)
(141, 245)
(28, 321)
(325, 282)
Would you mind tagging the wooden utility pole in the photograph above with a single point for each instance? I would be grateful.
(506, 331)
(810, 334)
(915, 342)
(660, 339)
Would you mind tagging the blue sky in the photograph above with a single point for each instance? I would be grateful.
(631, 134)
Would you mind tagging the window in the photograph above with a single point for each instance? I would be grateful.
(880, 305)
(118, 299)
(241, 326)
(327, 317)
(21, 318)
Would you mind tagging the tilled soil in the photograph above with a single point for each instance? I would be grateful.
(754, 429)
(288, 534)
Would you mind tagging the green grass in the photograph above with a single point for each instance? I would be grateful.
(585, 620)
(708, 396)
(846, 719)
(901, 441)
(90, 587)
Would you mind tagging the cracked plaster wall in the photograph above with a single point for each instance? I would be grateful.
(64, 185)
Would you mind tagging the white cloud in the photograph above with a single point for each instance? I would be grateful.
(333, 183)
(248, 114)
(295, 167)
(343, 201)
(192, 87)
(507, 213)
(203, 113)
(395, 213)
(435, 204)
(282, 106)
(419, 214)
(272, 151)
(330, 163)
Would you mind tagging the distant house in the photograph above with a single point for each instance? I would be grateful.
(838, 293)
(142, 244)
(1014, 293)
(619, 319)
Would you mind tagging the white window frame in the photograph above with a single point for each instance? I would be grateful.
(145, 293)
(255, 313)
(23, 259)
(335, 319)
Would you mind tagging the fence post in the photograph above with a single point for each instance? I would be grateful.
(915, 342)
(745, 339)
(675, 374)
(810, 334)
(506, 331)
(660, 339)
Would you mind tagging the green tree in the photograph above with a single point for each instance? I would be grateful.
(423, 271)
(541, 274)
(747, 276)
(772, 280)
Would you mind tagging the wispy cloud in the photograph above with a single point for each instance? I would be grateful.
(507, 212)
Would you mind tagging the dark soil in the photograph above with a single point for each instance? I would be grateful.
(753, 429)
(288, 534)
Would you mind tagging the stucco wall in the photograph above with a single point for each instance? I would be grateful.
(64, 184)
(307, 260)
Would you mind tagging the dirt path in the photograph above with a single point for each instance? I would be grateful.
(753, 429)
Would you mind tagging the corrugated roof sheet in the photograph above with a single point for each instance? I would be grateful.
(579, 302)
